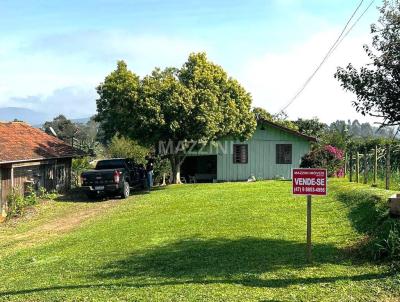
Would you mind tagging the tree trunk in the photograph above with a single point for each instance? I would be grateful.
(176, 162)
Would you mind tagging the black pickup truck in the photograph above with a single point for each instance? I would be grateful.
(113, 177)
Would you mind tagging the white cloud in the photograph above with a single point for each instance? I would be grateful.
(36, 72)
(274, 78)
(74, 102)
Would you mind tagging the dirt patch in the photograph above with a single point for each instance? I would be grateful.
(57, 225)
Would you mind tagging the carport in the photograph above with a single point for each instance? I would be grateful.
(199, 168)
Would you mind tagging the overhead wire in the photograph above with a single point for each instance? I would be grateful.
(334, 46)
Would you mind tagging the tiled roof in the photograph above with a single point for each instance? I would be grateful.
(21, 142)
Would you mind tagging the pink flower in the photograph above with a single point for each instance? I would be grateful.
(334, 151)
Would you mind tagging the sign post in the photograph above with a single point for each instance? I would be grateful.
(309, 228)
(309, 182)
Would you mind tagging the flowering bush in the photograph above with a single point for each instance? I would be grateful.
(327, 157)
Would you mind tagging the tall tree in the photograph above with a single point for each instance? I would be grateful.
(312, 127)
(261, 114)
(377, 85)
(118, 97)
(366, 130)
(196, 103)
(64, 128)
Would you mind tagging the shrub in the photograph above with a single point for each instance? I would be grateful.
(388, 247)
(370, 216)
(161, 167)
(78, 166)
(30, 197)
(327, 157)
(127, 148)
(44, 194)
(15, 202)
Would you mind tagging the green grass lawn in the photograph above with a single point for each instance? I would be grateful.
(203, 242)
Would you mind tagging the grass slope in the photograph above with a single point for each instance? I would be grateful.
(203, 242)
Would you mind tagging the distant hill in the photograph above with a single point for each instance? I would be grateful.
(83, 120)
(32, 117)
(29, 116)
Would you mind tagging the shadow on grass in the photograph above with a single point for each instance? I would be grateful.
(197, 258)
(78, 195)
(217, 261)
(366, 209)
(272, 283)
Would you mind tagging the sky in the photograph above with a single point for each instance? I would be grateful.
(54, 53)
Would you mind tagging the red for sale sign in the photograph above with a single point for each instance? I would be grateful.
(309, 181)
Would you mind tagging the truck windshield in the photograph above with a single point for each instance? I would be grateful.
(110, 164)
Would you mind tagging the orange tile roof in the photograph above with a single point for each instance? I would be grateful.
(21, 142)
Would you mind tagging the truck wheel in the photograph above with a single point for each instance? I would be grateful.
(91, 195)
(125, 191)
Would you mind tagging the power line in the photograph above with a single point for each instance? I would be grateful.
(330, 51)
(354, 24)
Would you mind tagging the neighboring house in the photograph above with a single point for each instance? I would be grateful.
(272, 152)
(29, 156)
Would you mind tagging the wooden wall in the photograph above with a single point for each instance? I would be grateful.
(5, 185)
(261, 155)
(50, 174)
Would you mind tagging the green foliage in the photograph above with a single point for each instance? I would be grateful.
(122, 147)
(369, 215)
(63, 127)
(389, 246)
(261, 115)
(79, 165)
(161, 166)
(88, 136)
(119, 103)
(312, 127)
(15, 203)
(326, 157)
(45, 195)
(83, 136)
(30, 196)
(376, 84)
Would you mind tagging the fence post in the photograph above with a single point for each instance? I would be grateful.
(365, 166)
(387, 167)
(375, 167)
(345, 165)
(357, 167)
(351, 166)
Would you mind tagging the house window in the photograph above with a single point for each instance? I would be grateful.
(284, 154)
(240, 154)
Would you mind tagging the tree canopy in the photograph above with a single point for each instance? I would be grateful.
(261, 114)
(64, 128)
(377, 85)
(198, 102)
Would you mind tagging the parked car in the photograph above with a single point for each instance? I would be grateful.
(113, 177)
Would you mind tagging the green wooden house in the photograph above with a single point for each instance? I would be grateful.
(271, 153)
